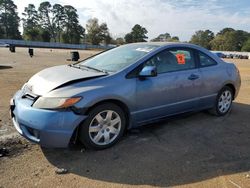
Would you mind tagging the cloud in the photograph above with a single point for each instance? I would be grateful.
(180, 18)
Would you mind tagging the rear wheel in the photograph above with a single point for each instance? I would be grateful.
(103, 127)
(223, 102)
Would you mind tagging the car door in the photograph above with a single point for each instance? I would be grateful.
(174, 90)
(212, 79)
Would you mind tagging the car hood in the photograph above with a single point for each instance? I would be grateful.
(54, 77)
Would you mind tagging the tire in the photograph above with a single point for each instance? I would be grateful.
(104, 126)
(223, 102)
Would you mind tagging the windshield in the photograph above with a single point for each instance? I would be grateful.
(118, 58)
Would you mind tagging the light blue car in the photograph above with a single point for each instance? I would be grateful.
(97, 99)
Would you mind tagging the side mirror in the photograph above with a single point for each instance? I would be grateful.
(148, 71)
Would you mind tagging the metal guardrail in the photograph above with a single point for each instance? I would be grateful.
(37, 44)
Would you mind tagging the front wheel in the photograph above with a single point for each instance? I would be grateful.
(103, 127)
(223, 101)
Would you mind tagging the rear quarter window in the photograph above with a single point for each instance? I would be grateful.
(205, 60)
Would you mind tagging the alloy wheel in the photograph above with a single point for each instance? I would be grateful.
(225, 101)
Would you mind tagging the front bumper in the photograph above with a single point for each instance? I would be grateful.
(49, 128)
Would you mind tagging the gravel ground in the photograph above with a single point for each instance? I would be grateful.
(195, 150)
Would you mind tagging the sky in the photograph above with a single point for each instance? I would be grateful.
(178, 17)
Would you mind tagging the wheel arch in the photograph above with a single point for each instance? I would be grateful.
(117, 102)
(231, 86)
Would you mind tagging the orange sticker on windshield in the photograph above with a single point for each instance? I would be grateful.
(180, 59)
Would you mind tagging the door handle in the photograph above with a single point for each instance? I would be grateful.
(193, 77)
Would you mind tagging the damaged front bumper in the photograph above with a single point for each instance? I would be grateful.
(49, 128)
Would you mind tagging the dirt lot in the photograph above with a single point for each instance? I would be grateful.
(196, 150)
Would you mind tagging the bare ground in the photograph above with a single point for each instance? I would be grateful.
(195, 150)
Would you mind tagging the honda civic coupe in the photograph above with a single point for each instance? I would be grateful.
(97, 99)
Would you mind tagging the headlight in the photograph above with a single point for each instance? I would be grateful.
(55, 103)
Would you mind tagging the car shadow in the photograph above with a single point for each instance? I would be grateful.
(185, 150)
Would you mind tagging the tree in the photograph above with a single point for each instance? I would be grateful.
(45, 35)
(93, 30)
(225, 42)
(31, 27)
(229, 39)
(129, 38)
(241, 37)
(218, 43)
(162, 38)
(138, 34)
(203, 38)
(9, 20)
(58, 19)
(246, 47)
(45, 19)
(32, 34)
(52, 22)
(98, 33)
(119, 41)
(73, 31)
(225, 30)
(107, 39)
(175, 39)
(1, 32)
(165, 38)
(104, 34)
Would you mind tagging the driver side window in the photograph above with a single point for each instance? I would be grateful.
(172, 60)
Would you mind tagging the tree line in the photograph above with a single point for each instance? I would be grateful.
(57, 23)
(228, 39)
(50, 23)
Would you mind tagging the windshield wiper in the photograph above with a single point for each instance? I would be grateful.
(98, 70)
(73, 65)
